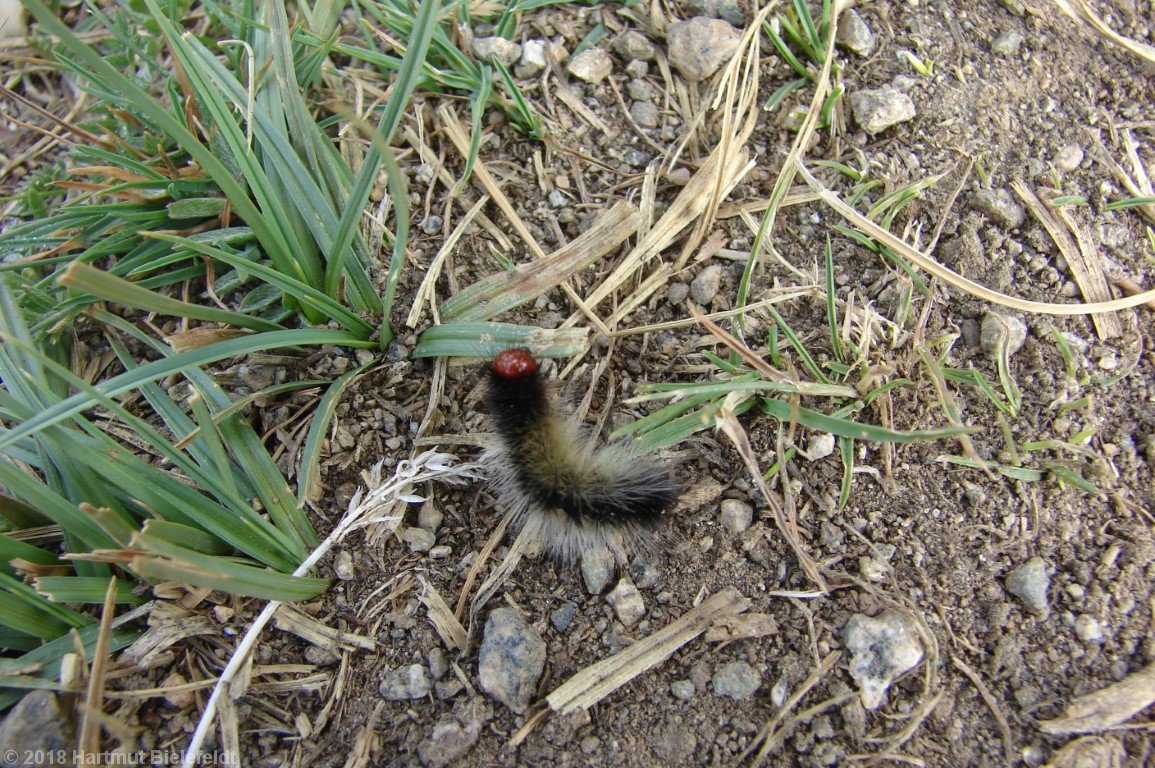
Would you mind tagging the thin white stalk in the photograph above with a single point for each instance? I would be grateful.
(364, 509)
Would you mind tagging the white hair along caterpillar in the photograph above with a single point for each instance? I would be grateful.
(553, 478)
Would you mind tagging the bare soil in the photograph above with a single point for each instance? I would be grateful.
(933, 540)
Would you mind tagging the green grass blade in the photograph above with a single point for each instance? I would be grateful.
(852, 429)
(177, 363)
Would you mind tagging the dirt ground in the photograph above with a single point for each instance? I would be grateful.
(931, 540)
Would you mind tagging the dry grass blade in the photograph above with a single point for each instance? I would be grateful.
(503, 291)
(361, 755)
(1090, 752)
(768, 736)
(992, 702)
(456, 133)
(1107, 707)
(805, 134)
(425, 291)
(690, 203)
(364, 509)
(448, 627)
(289, 619)
(500, 574)
(595, 682)
(89, 742)
(754, 361)
(920, 259)
(787, 525)
(1085, 264)
(1079, 10)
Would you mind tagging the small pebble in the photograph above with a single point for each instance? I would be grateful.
(631, 45)
(736, 680)
(627, 602)
(705, 286)
(819, 447)
(532, 61)
(511, 659)
(640, 90)
(591, 65)
(1000, 206)
(182, 699)
(677, 293)
(454, 735)
(1029, 582)
(411, 682)
(876, 109)
(438, 664)
(597, 569)
(683, 689)
(699, 47)
(321, 657)
(1088, 629)
(645, 114)
(736, 515)
(430, 517)
(343, 565)
(1008, 42)
(562, 617)
(418, 539)
(854, 34)
(13, 19)
(882, 648)
(997, 329)
(1069, 158)
(499, 48)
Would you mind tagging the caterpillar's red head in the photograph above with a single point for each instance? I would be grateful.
(514, 364)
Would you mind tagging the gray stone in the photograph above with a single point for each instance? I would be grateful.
(876, 109)
(418, 539)
(511, 659)
(532, 61)
(562, 617)
(683, 689)
(645, 114)
(819, 447)
(505, 51)
(637, 69)
(730, 10)
(438, 664)
(998, 329)
(639, 89)
(882, 648)
(343, 565)
(1029, 582)
(411, 682)
(736, 515)
(632, 45)
(454, 735)
(597, 569)
(430, 517)
(677, 292)
(13, 20)
(699, 47)
(1000, 206)
(627, 602)
(1069, 157)
(591, 65)
(1088, 629)
(736, 680)
(855, 35)
(705, 285)
(34, 725)
(1008, 42)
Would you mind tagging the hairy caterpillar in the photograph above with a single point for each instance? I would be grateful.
(552, 477)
